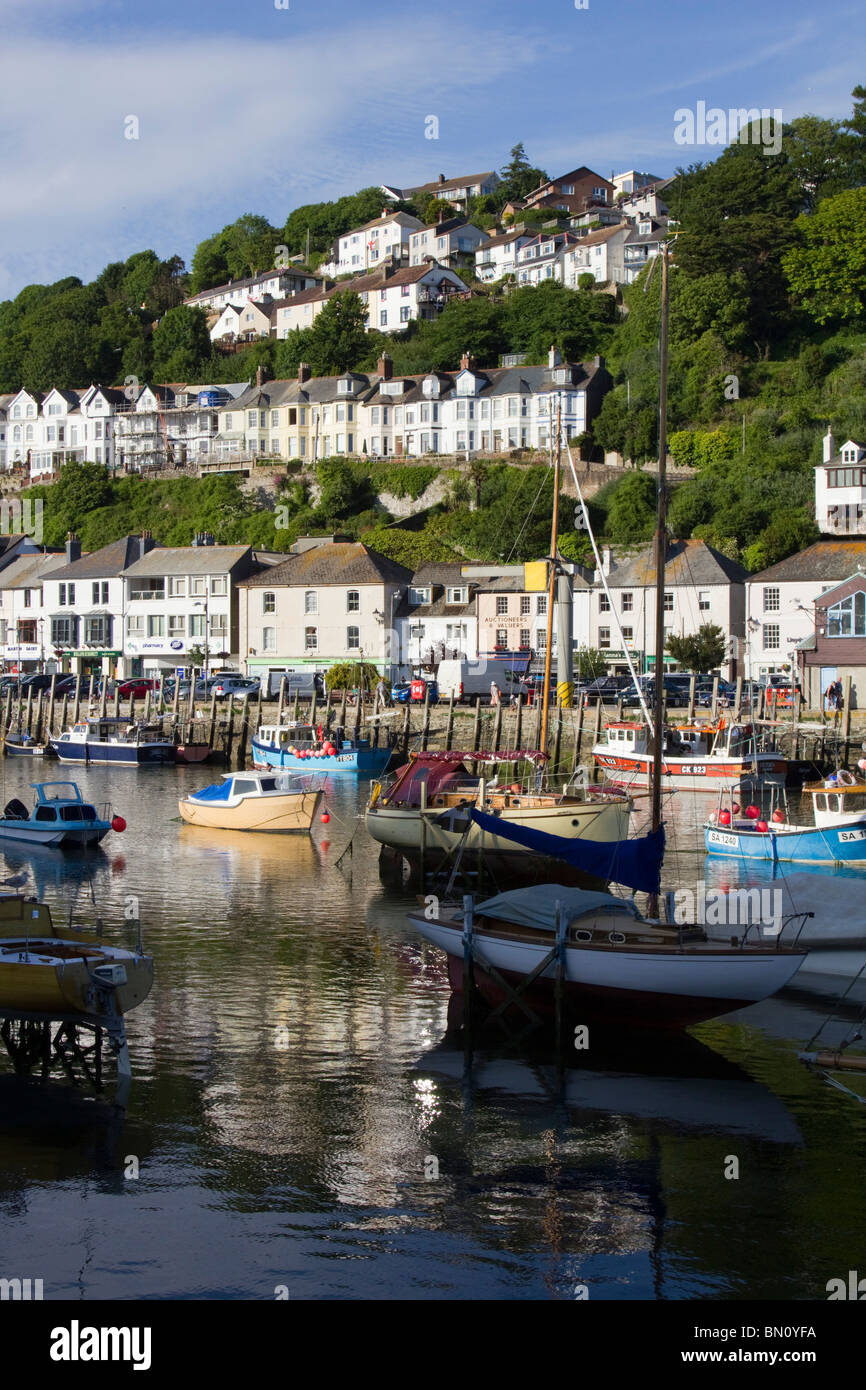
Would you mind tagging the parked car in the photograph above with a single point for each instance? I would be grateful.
(604, 688)
(136, 687)
(414, 691)
(36, 682)
(240, 687)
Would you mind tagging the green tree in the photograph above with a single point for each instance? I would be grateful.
(180, 344)
(827, 270)
(352, 675)
(632, 512)
(518, 177)
(701, 651)
(338, 336)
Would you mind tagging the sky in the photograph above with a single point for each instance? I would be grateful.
(241, 106)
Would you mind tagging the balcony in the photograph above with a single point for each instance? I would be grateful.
(138, 595)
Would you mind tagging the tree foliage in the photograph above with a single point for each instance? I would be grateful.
(699, 651)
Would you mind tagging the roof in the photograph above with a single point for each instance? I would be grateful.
(442, 572)
(249, 280)
(837, 458)
(341, 563)
(503, 238)
(404, 218)
(105, 563)
(462, 182)
(187, 559)
(690, 562)
(28, 571)
(832, 560)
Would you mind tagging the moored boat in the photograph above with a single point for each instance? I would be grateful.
(693, 754)
(836, 837)
(298, 747)
(255, 801)
(60, 817)
(110, 739)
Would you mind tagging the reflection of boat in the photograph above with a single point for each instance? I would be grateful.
(192, 752)
(296, 747)
(836, 836)
(109, 739)
(692, 753)
(254, 801)
(60, 817)
(690, 1086)
(410, 815)
(237, 855)
(616, 966)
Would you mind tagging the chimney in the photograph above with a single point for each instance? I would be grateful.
(441, 178)
(259, 377)
(73, 547)
(304, 372)
(605, 558)
(145, 543)
(440, 216)
(553, 357)
(829, 446)
(467, 362)
(384, 366)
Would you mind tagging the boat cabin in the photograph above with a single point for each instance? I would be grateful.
(111, 729)
(838, 800)
(630, 736)
(237, 785)
(296, 733)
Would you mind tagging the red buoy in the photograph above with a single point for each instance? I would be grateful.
(118, 824)
(778, 815)
(724, 818)
(736, 808)
(753, 812)
(325, 818)
(761, 826)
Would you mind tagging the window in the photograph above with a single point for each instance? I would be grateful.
(628, 635)
(525, 605)
(704, 600)
(383, 317)
(197, 586)
(627, 603)
(155, 625)
(311, 639)
(135, 625)
(27, 596)
(353, 639)
(196, 624)
(501, 637)
(603, 603)
(228, 422)
(771, 600)
(353, 601)
(848, 618)
(63, 632)
(525, 638)
(771, 636)
(501, 605)
(219, 624)
(541, 604)
(99, 590)
(668, 604)
(275, 419)
(269, 639)
(604, 638)
(456, 595)
(269, 601)
(541, 640)
(67, 595)
(176, 587)
(96, 631)
(176, 625)
(405, 313)
(311, 601)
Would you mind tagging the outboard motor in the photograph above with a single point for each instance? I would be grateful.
(16, 810)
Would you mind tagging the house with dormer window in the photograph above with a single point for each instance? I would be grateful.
(840, 488)
(438, 617)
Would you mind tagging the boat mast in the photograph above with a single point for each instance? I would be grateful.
(551, 584)
(660, 554)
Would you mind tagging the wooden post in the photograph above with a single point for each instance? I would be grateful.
(518, 725)
(497, 727)
(619, 706)
(715, 706)
(295, 705)
(147, 699)
(230, 705)
(77, 698)
(313, 710)
(63, 713)
(537, 740)
(212, 721)
(116, 697)
(50, 723)
(29, 707)
(37, 723)
(176, 700)
(846, 714)
(282, 699)
(468, 977)
(425, 727)
(103, 698)
(476, 728)
(407, 715)
(258, 719)
(7, 717)
(131, 709)
(449, 729)
(359, 711)
(597, 734)
(691, 698)
(738, 700)
(343, 711)
(557, 737)
(578, 735)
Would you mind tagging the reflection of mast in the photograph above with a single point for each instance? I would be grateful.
(551, 583)
(660, 555)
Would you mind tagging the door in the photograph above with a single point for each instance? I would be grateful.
(828, 675)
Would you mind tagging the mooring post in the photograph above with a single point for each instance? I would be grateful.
(282, 699)
(425, 726)
(557, 738)
(476, 730)
(50, 724)
(7, 718)
(691, 713)
(578, 736)
(295, 706)
(212, 729)
(29, 706)
(63, 712)
(77, 698)
(738, 701)
(422, 826)
(407, 715)
(497, 727)
(715, 709)
(846, 714)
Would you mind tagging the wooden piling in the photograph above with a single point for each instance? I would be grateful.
(212, 719)
(497, 728)
(846, 714)
(557, 737)
(29, 707)
(50, 721)
(691, 714)
(715, 704)
(425, 726)
(476, 728)
(738, 701)
(449, 728)
(407, 717)
(7, 717)
(282, 700)
(63, 713)
(295, 706)
(75, 715)
(230, 727)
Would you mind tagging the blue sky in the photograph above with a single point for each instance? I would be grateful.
(247, 108)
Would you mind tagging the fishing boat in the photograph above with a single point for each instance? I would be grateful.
(424, 811)
(59, 818)
(255, 801)
(111, 739)
(22, 746)
(693, 754)
(612, 965)
(299, 747)
(836, 836)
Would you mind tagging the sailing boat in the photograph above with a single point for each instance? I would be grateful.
(422, 814)
(553, 946)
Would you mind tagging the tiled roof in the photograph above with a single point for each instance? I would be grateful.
(28, 571)
(187, 559)
(433, 572)
(463, 181)
(341, 563)
(831, 560)
(689, 562)
(105, 563)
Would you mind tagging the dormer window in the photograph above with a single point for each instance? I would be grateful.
(562, 376)
(431, 386)
(418, 596)
(392, 388)
(467, 384)
(457, 595)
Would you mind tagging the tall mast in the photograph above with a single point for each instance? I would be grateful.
(551, 584)
(660, 555)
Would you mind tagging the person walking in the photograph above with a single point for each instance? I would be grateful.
(494, 693)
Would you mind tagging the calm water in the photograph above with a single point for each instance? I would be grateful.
(299, 1118)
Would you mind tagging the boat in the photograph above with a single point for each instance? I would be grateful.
(22, 746)
(60, 818)
(836, 836)
(693, 754)
(297, 746)
(111, 739)
(617, 967)
(424, 810)
(255, 801)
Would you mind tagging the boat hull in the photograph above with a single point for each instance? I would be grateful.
(35, 982)
(844, 844)
(192, 752)
(612, 986)
(120, 754)
(368, 762)
(411, 830)
(54, 836)
(292, 813)
(764, 769)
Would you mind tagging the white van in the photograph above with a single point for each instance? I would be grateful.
(305, 682)
(468, 679)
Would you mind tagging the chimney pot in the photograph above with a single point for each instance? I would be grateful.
(304, 371)
(553, 357)
(441, 178)
(829, 446)
(73, 547)
(385, 367)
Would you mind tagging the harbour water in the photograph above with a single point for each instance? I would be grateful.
(299, 1120)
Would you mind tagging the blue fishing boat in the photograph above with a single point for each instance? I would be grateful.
(836, 837)
(298, 747)
(60, 817)
(109, 739)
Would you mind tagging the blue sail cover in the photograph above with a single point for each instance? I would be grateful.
(637, 863)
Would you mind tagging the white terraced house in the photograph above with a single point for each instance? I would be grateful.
(840, 488)
(276, 284)
(497, 256)
(25, 634)
(393, 298)
(366, 248)
(61, 427)
(169, 426)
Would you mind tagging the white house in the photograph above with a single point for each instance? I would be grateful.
(392, 298)
(497, 256)
(599, 254)
(170, 425)
(276, 284)
(840, 488)
(541, 258)
(365, 248)
(24, 635)
(437, 617)
(450, 241)
(456, 191)
(83, 602)
(780, 601)
(244, 322)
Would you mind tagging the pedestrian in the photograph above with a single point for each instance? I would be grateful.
(838, 694)
(381, 692)
(494, 693)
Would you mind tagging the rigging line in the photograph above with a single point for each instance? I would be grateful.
(529, 514)
(507, 514)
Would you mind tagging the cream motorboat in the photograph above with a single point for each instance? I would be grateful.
(412, 814)
(263, 801)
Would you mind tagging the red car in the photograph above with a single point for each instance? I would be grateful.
(136, 688)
